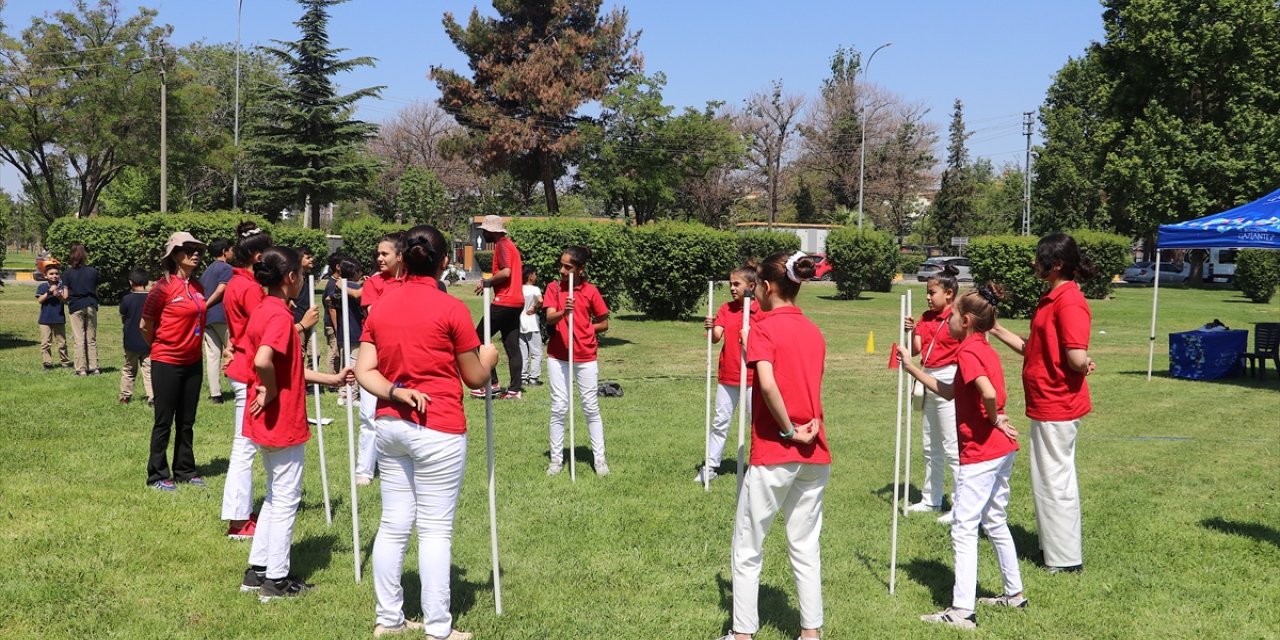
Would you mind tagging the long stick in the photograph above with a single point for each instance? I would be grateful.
(706, 454)
(351, 431)
(493, 490)
(906, 487)
(573, 456)
(744, 402)
(897, 460)
(315, 366)
(1155, 299)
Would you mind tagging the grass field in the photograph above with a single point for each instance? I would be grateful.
(19, 259)
(1180, 484)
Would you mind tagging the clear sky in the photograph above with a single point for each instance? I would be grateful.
(997, 56)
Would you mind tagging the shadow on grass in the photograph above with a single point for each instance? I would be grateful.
(1027, 543)
(312, 554)
(610, 341)
(1259, 532)
(886, 493)
(1240, 380)
(462, 594)
(213, 468)
(8, 341)
(774, 608)
(937, 577)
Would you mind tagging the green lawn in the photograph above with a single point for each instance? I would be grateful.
(19, 259)
(1180, 483)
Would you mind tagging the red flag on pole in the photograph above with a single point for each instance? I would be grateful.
(893, 356)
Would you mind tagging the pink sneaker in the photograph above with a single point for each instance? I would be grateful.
(242, 532)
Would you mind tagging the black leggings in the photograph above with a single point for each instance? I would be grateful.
(506, 320)
(177, 392)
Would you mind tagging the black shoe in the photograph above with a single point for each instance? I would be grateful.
(48, 366)
(215, 399)
(252, 580)
(1077, 568)
(286, 587)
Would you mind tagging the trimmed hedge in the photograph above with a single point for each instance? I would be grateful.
(541, 243)
(679, 260)
(360, 240)
(1257, 273)
(861, 261)
(484, 260)
(1109, 253)
(1006, 260)
(298, 237)
(909, 263)
(758, 245)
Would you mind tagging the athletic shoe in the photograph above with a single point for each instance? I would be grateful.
(1075, 568)
(922, 507)
(454, 634)
(554, 468)
(479, 393)
(602, 467)
(342, 400)
(151, 402)
(947, 518)
(48, 366)
(1016, 602)
(407, 625)
(363, 481)
(533, 382)
(510, 395)
(954, 617)
(197, 482)
(697, 477)
(164, 485)
(252, 580)
(95, 372)
(286, 587)
(215, 399)
(242, 532)
(125, 400)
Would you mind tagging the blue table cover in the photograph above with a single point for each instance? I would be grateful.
(1206, 355)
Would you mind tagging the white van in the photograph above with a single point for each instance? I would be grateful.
(1221, 265)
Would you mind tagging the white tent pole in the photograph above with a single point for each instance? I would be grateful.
(897, 453)
(1155, 299)
(315, 366)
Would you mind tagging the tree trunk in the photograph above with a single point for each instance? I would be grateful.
(313, 212)
(549, 185)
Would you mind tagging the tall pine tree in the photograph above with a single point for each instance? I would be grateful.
(956, 197)
(312, 149)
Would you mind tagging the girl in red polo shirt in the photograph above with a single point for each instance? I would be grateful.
(591, 315)
(988, 444)
(276, 420)
(172, 319)
(241, 296)
(937, 350)
(790, 461)
(417, 343)
(1055, 366)
(726, 326)
(390, 261)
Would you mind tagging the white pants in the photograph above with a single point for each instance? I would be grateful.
(421, 480)
(237, 494)
(531, 354)
(982, 495)
(367, 447)
(215, 340)
(586, 377)
(1056, 492)
(274, 535)
(939, 445)
(796, 489)
(726, 403)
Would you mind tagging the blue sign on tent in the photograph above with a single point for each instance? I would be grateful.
(1249, 226)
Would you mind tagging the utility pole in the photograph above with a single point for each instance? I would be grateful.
(164, 140)
(235, 162)
(862, 139)
(1026, 177)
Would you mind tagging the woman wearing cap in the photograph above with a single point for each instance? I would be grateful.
(507, 282)
(172, 321)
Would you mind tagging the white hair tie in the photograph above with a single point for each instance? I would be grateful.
(252, 232)
(791, 266)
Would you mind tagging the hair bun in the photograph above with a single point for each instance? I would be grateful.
(951, 270)
(991, 292)
(247, 228)
(266, 274)
(805, 268)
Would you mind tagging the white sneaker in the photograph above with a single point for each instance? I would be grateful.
(711, 473)
(951, 616)
(602, 468)
(923, 507)
(555, 467)
(947, 518)
(406, 626)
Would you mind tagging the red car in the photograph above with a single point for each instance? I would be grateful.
(823, 271)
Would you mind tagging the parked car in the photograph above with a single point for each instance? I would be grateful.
(1145, 273)
(932, 266)
(824, 268)
(1221, 265)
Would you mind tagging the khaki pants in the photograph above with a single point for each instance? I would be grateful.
(84, 333)
(129, 373)
(215, 340)
(331, 357)
(50, 333)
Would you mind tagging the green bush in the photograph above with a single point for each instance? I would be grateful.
(154, 230)
(297, 237)
(679, 259)
(115, 247)
(1007, 260)
(541, 242)
(861, 261)
(484, 260)
(909, 263)
(1109, 253)
(1257, 273)
(758, 245)
(360, 240)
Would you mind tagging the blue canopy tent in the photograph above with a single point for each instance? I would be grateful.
(1255, 225)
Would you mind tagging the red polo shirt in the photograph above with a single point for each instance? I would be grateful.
(283, 423)
(418, 333)
(176, 308)
(979, 441)
(588, 306)
(798, 352)
(730, 317)
(511, 292)
(1055, 392)
(937, 347)
(242, 295)
(376, 286)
